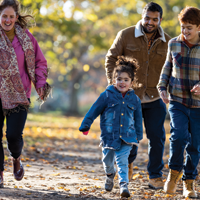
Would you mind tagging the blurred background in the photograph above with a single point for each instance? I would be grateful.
(75, 36)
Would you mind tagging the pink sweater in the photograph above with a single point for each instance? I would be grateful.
(40, 64)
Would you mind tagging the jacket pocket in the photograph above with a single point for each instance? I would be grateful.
(133, 52)
(112, 105)
(131, 106)
(161, 52)
(132, 48)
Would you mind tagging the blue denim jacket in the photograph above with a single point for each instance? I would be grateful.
(121, 118)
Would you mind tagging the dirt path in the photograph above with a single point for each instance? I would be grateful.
(58, 168)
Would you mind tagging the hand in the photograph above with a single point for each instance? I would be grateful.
(40, 92)
(163, 95)
(85, 132)
(196, 89)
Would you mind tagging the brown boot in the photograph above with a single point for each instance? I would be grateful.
(156, 183)
(18, 170)
(172, 180)
(188, 189)
(130, 171)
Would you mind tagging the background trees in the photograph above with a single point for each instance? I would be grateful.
(75, 36)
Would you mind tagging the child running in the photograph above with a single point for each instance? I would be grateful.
(181, 72)
(120, 122)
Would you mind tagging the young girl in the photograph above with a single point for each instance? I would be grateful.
(181, 73)
(121, 123)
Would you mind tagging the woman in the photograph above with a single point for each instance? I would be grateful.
(21, 62)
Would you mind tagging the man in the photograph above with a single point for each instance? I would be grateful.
(147, 42)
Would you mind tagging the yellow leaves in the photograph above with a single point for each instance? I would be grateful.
(83, 189)
(67, 190)
(92, 17)
(85, 175)
(86, 68)
(97, 187)
(28, 165)
(28, 193)
(135, 176)
(51, 188)
(68, 45)
(15, 187)
(168, 196)
(136, 167)
(166, 166)
(157, 195)
(44, 185)
(57, 174)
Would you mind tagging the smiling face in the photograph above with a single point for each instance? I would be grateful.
(190, 32)
(8, 18)
(122, 82)
(151, 21)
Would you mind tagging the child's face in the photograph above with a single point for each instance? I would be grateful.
(122, 82)
(190, 32)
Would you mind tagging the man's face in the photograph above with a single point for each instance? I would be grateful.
(151, 21)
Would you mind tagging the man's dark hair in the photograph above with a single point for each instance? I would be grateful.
(153, 7)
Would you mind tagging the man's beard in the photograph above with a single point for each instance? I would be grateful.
(146, 31)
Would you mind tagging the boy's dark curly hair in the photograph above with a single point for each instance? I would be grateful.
(125, 64)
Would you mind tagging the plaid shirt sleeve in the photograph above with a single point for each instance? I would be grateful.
(166, 71)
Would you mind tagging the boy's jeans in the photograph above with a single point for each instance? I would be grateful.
(185, 134)
(121, 158)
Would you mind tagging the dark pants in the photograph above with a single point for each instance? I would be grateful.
(154, 116)
(185, 136)
(15, 124)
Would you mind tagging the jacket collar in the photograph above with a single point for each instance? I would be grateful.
(180, 39)
(139, 31)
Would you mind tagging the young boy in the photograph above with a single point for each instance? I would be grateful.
(181, 72)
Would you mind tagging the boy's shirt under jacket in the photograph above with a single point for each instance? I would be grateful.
(181, 72)
(121, 118)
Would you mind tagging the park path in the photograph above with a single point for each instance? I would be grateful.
(70, 168)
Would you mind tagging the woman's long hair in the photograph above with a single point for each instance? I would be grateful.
(23, 19)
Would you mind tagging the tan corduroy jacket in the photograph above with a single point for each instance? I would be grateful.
(132, 42)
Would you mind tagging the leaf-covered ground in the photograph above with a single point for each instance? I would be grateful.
(61, 163)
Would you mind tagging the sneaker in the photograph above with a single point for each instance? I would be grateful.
(130, 171)
(1, 179)
(18, 170)
(171, 183)
(109, 182)
(156, 183)
(124, 190)
(188, 189)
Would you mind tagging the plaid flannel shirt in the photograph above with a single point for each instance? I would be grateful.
(181, 72)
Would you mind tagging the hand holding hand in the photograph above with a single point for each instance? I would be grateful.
(163, 95)
(196, 89)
